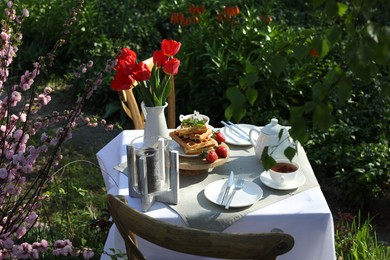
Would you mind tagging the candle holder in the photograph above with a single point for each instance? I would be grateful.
(153, 171)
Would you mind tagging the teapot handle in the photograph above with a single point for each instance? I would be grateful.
(253, 141)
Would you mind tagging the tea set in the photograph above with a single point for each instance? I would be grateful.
(164, 162)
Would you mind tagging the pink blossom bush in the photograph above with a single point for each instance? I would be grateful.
(29, 152)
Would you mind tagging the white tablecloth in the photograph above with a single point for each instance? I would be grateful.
(306, 215)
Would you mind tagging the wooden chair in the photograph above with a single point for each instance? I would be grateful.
(131, 108)
(132, 223)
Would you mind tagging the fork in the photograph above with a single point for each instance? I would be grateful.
(239, 185)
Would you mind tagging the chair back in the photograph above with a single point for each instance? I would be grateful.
(132, 223)
(131, 107)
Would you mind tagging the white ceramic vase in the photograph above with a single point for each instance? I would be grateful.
(155, 122)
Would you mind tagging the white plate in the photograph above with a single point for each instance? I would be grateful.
(265, 178)
(249, 194)
(233, 138)
(176, 147)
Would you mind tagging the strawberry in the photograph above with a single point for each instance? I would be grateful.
(219, 137)
(221, 151)
(212, 156)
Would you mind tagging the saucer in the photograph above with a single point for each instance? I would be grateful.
(265, 178)
(248, 195)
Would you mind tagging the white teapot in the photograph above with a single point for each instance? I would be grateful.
(271, 136)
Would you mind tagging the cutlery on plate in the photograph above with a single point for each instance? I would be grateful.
(229, 184)
(235, 131)
(238, 186)
(239, 129)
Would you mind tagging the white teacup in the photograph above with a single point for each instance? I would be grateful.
(284, 172)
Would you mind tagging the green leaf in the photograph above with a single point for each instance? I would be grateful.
(278, 64)
(267, 161)
(234, 95)
(300, 51)
(299, 130)
(251, 95)
(290, 152)
(228, 112)
(250, 79)
(324, 47)
(112, 108)
(317, 3)
(239, 113)
(343, 91)
(333, 34)
(319, 92)
(342, 8)
(331, 8)
(298, 123)
(322, 116)
(166, 89)
(332, 76)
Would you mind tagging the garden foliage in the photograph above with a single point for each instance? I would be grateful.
(320, 66)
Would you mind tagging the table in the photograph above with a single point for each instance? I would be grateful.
(305, 215)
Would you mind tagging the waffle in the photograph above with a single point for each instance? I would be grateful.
(190, 130)
(193, 147)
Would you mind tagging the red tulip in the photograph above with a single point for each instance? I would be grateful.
(159, 58)
(141, 72)
(122, 81)
(128, 55)
(170, 47)
(172, 66)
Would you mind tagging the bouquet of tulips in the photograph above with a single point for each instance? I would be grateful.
(154, 84)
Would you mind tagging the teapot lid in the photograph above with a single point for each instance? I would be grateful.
(273, 128)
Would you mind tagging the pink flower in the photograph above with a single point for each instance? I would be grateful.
(88, 253)
(26, 13)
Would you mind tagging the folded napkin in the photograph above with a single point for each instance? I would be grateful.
(122, 167)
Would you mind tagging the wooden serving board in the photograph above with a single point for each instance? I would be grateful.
(197, 165)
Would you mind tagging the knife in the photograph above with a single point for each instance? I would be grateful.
(229, 184)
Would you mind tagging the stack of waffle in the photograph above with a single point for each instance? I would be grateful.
(194, 139)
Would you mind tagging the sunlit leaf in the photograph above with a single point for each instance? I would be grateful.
(324, 48)
(342, 8)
